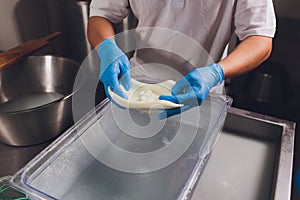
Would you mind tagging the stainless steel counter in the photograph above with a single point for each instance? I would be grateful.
(253, 159)
(13, 158)
(244, 124)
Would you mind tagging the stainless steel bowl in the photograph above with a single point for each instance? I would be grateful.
(36, 99)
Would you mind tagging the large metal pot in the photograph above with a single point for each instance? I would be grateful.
(47, 84)
(61, 15)
(268, 83)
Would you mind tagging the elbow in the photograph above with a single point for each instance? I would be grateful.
(268, 51)
(267, 48)
(91, 32)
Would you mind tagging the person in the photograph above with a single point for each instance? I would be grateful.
(209, 22)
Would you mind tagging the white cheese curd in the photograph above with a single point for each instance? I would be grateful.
(144, 95)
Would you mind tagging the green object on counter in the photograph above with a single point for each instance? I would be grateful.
(8, 193)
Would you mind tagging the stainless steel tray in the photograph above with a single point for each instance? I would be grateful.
(253, 159)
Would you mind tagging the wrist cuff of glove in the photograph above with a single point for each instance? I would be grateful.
(105, 44)
(218, 71)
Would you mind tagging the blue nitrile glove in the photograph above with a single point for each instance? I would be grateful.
(192, 89)
(114, 63)
(297, 180)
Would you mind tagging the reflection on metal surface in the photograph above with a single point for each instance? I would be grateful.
(73, 42)
(36, 77)
(252, 160)
(69, 17)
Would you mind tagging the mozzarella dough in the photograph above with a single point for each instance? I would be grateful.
(145, 96)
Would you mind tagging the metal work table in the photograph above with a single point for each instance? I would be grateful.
(13, 158)
(239, 122)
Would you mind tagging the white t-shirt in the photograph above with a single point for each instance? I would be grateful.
(181, 23)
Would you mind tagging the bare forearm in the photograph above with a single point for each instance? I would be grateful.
(99, 29)
(250, 53)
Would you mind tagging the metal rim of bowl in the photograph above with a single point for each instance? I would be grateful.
(58, 100)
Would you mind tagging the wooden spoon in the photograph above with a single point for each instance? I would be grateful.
(15, 54)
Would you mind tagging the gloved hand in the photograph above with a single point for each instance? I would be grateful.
(297, 180)
(114, 63)
(192, 89)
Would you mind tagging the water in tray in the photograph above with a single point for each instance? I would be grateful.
(103, 183)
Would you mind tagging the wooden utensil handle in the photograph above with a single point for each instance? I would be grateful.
(51, 36)
(13, 55)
